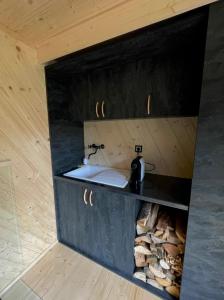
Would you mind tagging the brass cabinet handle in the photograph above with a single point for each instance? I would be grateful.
(97, 113)
(84, 197)
(90, 198)
(102, 109)
(149, 105)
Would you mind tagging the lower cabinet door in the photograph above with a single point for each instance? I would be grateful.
(72, 216)
(113, 230)
(103, 229)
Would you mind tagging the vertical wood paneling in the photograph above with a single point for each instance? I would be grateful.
(24, 141)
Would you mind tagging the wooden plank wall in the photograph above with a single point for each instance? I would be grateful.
(24, 140)
(167, 143)
(55, 28)
(11, 258)
(103, 20)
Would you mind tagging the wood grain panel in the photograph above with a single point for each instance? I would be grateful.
(123, 18)
(64, 274)
(20, 291)
(11, 258)
(39, 20)
(24, 141)
(167, 142)
(57, 28)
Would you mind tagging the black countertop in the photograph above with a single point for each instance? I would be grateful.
(165, 190)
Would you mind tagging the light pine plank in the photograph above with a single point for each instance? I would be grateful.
(64, 274)
(24, 141)
(168, 143)
(125, 17)
(20, 291)
(45, 24)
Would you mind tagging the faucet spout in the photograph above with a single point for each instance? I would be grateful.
(96, 147)
(93, 153)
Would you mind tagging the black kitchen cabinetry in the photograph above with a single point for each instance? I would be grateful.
(98, 223)
(72, 216)
(163, 61)
(152, 72)
(162, 87)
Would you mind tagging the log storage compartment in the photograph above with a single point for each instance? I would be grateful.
(159, 247)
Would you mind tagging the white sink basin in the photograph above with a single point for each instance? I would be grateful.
(104, 175)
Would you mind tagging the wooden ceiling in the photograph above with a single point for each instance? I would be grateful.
(59, 27)
(35, 21)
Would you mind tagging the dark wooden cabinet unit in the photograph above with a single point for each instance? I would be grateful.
(152, 72)
(204, 257)
(102, 229)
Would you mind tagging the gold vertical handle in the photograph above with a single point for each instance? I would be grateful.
(90, 198)
(102, 109)
(97, 112)
(149, 105)
(84, 197)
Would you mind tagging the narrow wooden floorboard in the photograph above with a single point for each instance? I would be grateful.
(63, 274)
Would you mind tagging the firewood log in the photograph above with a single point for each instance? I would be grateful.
(154, 283)
(141, 229)
(148, 215)
(143, 250)
(148, 273)
(140, 260)
(151, 259)
(164, 281)
(173, 238)
(164, 264)
(181, 248)
(157, 240)
(157, 271)
(158, 233)
(164, 220)
(173, 290)
(160, 252)
(143, 238)
(140, 276)
(171, 249)
(181, 227)
(170, 275)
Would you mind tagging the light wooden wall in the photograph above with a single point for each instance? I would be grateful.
(11, 258)
(24, 141)
(105, 19)
(167, 143)
(56, 28)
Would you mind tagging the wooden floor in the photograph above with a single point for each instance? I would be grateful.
(20, 291)
(63, 274)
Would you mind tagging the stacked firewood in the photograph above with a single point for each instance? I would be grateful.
(159, 247)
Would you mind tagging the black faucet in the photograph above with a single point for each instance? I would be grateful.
(96, 147)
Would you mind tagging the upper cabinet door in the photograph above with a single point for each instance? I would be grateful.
(155, 87)
(175, 87)
(122, 92)
(98, 92)
(129, 86)
(142, 89)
